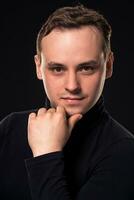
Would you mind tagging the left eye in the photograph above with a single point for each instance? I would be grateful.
(86, 68)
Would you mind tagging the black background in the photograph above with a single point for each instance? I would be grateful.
(19, 87)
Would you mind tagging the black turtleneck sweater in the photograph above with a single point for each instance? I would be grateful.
(97, 162)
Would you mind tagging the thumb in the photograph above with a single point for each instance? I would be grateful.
(73, 120)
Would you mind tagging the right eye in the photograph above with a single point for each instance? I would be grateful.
(57, 70)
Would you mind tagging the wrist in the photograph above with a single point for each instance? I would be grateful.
(40, 152)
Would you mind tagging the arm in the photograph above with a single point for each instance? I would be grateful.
(112, 178)
(48, 132)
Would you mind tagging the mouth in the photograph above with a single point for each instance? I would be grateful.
(72, 100)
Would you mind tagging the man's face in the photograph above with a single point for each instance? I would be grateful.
(73, 68)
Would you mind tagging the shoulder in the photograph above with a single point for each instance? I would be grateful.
(16, 115)
(115, 140)
(114, 131)
(116, 126)
(15, 120)
(120, 141)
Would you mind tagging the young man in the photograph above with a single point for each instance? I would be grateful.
(72, 148)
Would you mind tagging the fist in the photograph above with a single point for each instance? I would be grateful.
(49, 130)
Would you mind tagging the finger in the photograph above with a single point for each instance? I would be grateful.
(32, 116)
(60, 109)
(41, 111)
(73, 120)
(51, 110)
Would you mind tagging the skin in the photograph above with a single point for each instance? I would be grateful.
(73, 69)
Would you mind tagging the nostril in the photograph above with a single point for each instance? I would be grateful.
(73, 90)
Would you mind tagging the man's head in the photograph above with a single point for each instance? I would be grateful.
(74, 57)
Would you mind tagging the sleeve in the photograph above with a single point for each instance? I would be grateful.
(4, 127)
(112, 178)
(46, 177)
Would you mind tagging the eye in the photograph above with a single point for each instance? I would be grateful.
(87, 69)
(56, 70)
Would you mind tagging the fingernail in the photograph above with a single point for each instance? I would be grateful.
(80, 116)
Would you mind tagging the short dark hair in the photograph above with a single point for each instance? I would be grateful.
(75, 17)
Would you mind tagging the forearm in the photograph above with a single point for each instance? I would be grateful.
(47, 178)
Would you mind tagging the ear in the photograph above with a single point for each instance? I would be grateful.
(38, 66)
(109, 65)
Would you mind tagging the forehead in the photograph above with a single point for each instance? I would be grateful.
(84, 41)
(90, 33)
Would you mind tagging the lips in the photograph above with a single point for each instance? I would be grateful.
(72, 100)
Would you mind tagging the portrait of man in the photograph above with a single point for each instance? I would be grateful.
(71, 148)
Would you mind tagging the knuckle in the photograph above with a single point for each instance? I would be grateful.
(51, 111)
(41, 111)
(31, 116)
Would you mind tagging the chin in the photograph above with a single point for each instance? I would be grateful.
(81, 110)
(71, 112)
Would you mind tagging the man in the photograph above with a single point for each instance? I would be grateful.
(72, 148)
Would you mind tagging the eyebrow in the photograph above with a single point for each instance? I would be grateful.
(91, 62)
(87, 63)
(52, 64)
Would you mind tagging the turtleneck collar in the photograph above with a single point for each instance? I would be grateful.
(95, 113)
(84, 127)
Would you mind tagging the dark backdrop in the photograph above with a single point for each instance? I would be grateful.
(19, 88)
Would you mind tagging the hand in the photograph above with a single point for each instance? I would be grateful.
(49, 130)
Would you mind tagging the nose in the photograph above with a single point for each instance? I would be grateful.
(72, 83)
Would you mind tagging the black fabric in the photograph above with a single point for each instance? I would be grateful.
(96, 163)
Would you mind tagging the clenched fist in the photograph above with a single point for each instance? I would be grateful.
(49, 130)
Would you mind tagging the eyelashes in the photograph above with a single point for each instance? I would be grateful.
(81, 69)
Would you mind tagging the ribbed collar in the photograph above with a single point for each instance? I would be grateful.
(94, 114)
(85, 126)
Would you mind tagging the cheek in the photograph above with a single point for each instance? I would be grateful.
(49, 86)
(99, 81)
(52, 86)
(94, 83)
